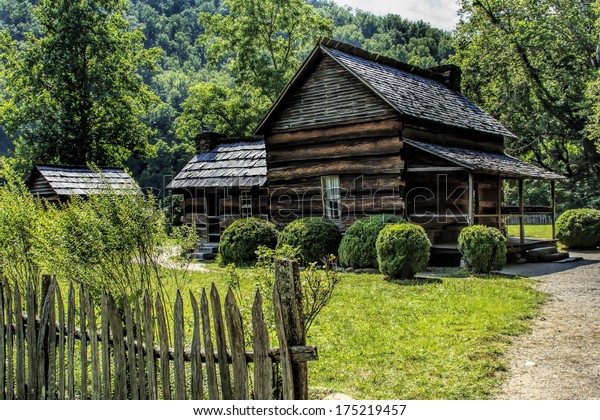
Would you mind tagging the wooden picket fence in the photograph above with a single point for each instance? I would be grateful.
(96, 350)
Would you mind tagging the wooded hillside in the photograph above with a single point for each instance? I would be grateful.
(175, 28)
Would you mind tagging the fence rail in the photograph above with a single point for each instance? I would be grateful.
(91, 348)
(531, 219)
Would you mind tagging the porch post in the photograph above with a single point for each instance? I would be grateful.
(553, 215)
(499, 186)
(521, 211)
(471, 206)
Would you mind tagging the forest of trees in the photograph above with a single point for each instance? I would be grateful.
(534, 64)
(184, 66)
(193, 72)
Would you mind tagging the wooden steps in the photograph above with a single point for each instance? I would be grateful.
(532, 251)
(545, 254)
(206, 251)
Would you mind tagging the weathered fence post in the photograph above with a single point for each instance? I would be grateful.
(263, 365)
(287, 298)
(45, 287)
(9, 345)
(2, 342)
(221, 341)
(19, 344)
(43, 344)
(46, 280)
(31, 342)
(238, 352)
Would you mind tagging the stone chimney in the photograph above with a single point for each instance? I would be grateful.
(205, 142)
(451, 74)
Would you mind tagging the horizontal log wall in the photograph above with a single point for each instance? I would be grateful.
(488, 200)
(486, 195)
(438, 202)
(196, 205)
(366, 157)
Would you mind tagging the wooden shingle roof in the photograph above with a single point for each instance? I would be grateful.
(63, 181)
(484, 162)
(230, 164)
(419, 97)
(415, 93)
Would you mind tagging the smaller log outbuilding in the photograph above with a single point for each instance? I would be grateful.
(59, 182)
(224, 181)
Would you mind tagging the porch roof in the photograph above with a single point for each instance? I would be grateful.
(484, 162)
(232, 164)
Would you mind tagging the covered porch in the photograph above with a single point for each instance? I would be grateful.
(450, 188)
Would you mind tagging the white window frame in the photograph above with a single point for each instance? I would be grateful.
(332, 198)
(246, 203)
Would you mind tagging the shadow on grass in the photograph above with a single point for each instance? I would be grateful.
(417, 281)
(462, 273)
(544, 269)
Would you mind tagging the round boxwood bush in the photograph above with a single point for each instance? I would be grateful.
(402, 250)
(579, 228)
(240, 240)
(315, 237)
(358, 244)
(483, 248)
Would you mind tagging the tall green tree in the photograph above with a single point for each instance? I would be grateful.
(261, 44)
(593, 91)
(530, 62)
(75, 95)
(262, 41)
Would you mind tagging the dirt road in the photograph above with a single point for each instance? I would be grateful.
(560, 359)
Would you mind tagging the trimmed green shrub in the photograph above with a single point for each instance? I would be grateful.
(315, 237)
(483, 248)
(579, 228)
(358, 244)
(242, 238)
(402, 250)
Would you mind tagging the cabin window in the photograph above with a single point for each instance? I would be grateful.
(246, 204)
(331, 197)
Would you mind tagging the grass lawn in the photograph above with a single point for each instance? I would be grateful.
(532, 231)
(434, 339)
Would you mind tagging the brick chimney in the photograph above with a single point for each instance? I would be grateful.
(451, 74)
(205, 142)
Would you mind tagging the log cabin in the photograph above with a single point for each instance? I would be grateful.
(57, 183)
(355, 134)
(225, 180)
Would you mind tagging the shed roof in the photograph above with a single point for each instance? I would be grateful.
(484, 162)
(230, 164)
(55, 180)
(412, 91)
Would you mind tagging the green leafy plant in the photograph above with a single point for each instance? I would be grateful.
(25, 231)
(242, 238)
(316, 238)
(357, 248)
(402, 250)
(579, 228)
(483, 248)
(317, 285)
(110, 240)
(119, 242)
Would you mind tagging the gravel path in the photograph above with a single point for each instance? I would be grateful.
(560, 359)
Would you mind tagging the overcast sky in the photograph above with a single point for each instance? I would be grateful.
(440, 13)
